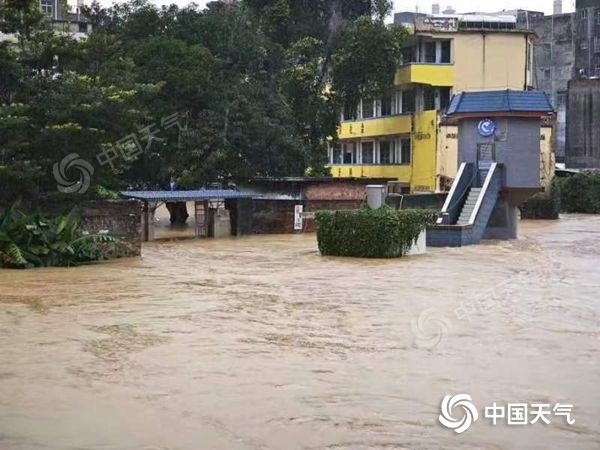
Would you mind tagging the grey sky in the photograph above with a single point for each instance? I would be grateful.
(425, 5)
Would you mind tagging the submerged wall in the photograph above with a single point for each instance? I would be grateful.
(122, 218)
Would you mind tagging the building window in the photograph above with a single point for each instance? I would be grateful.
(546, 74)
(598, 70)
(429, 48)
(405, 151)
(445, 53)
(349, 112)
(428, 98)
(386, 106)
(408, 101)
(82, 27)
(561, 99)
(47, 7)
(349, 153)
(336, 155)
(368, 152)
(597, 44)
(407, 55)
(386, 152)
(444, 98)
(368, 109)
(583, 13)
(583, 44)
(598, 17)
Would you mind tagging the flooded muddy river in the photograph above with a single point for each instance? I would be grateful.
(260, 343)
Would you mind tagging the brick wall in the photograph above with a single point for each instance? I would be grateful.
(336, 191)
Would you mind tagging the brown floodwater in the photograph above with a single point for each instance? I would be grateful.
(260, 343)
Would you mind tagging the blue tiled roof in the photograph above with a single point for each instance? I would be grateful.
(185, 196)
(500, 101)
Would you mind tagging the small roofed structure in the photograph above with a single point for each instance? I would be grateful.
(203, 200)
(499, 164)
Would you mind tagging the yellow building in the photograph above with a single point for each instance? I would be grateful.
(402, 136)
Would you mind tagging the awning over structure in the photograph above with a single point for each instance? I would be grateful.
(185, 196)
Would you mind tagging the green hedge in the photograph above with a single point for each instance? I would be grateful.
(545, 205)
(367, 233)
(580, 193)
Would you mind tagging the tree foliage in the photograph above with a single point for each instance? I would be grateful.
(257, 84)
(32, 240)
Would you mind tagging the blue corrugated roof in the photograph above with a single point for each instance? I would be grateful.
(500, 101)
(185, 196)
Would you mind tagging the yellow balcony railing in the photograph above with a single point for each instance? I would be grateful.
(399, 172)
(425, 73)
(383, 126)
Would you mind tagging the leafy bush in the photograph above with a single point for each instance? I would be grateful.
(367, 233)
(545, 205)
(580, 193)
(31, 240)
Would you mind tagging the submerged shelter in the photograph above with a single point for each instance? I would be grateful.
(499, 165)
(211, 219)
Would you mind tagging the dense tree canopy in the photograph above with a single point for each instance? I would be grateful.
(198, 96)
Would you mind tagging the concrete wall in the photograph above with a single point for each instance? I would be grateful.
(416, 201)
(547, 156)
(554, 57)
(587, 50)
(121, 218)
(424, 148)
(447, 156)
(517, 146)
(583, 120)
(489, 61)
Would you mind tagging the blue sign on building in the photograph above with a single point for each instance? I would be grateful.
(486, 127)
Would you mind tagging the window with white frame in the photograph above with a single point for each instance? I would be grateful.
(368, 108)
(408, 101)
(405, 150)
(387, 151)
(386, 105)
(445, 52)
(349, 153)
(349, 112)
(428, 98)
(47, 6)
(336, 155)
(368, 152)
(444, 93)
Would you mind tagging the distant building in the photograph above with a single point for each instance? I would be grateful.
(61, 19)
(64, 20)
(587, 44)
(583, 124)
(554, 57)
(403, 135)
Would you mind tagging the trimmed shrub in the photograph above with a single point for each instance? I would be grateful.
(580, 193)
(367, 233)
(545, 205)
